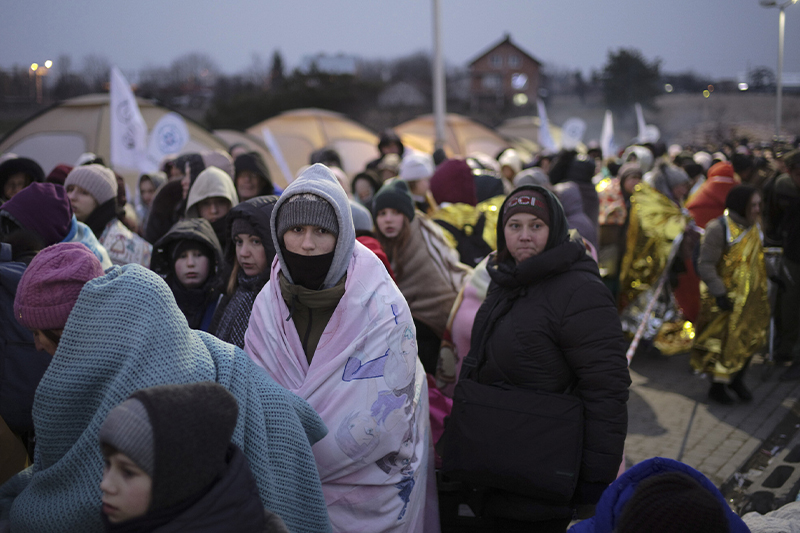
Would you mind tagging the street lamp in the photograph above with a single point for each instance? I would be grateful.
(41, 70)
(781, 24)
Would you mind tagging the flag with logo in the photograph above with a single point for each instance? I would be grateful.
(607, 143)
(545, 139)
(128, 130)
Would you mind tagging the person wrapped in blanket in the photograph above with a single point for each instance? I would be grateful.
(657, 220)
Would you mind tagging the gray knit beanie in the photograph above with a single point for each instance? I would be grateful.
(98, 181)
(127, 428)
(307, 209)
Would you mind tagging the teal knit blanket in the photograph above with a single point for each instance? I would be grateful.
(126, 333)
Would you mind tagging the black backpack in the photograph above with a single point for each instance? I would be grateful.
(469, 240)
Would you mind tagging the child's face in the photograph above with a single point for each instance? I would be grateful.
(389, 222)
(191, 268)
(127, 489)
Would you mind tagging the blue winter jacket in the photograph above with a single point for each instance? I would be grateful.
(21, 366)
(609, 508)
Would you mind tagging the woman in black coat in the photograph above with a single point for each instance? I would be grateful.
(551, 325)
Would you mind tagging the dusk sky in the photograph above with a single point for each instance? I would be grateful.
(718, 38)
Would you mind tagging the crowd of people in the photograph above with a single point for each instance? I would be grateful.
(375, 352)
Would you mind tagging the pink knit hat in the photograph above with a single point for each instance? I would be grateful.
(51, 284)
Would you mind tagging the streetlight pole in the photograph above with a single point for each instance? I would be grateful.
(39, 71)
(779, 89)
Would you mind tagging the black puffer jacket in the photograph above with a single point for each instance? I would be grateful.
(556, 326)
(202, 301)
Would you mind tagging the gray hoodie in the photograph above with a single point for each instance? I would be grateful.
(318, 179)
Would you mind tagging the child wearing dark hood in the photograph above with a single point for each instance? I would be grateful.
(170, 464)
(189, 258)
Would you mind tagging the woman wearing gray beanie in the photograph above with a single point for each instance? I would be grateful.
(332, 327)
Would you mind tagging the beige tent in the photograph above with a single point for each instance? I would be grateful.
(61, 133)
(528, 128)
(254, 144)
(463, 136)
(300, 132)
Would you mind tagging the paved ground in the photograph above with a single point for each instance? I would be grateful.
(737, 447)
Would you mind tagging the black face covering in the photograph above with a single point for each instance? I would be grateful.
(308, 271)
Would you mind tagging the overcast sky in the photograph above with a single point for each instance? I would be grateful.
(718, 38)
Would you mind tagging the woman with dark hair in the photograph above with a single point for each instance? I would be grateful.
(250, 252)
(17, 173)
(251, 176)
(169, 203)
(734, 311)
(549, 324)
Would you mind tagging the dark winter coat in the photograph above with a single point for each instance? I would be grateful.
(165, 210)
(231, 504)
(21, 365)
(233, 312)
(198, 304)
(559, 329)
(783, 216)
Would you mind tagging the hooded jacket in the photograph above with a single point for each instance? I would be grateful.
(230, 504)
(570, 196)
(212, 183)
(233, 312)
(708, 202)
(556, 327)
(198, 304)
(319, 180)
(609, 508)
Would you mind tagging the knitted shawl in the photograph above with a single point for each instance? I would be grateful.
(368, 385)
(126, 333)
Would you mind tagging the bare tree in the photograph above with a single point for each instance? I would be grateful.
(194, 68)
(96, 72)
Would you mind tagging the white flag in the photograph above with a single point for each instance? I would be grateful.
(128, 129)
(640, 124)
(607, 143)
(275, 150)
(545, 139)
(572, 133)
(168, 136)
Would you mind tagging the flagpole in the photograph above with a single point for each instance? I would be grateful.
(438, 77)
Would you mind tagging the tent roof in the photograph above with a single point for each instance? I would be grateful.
(463, 136)
(254, 144)
(300, 132)
(65, 130)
